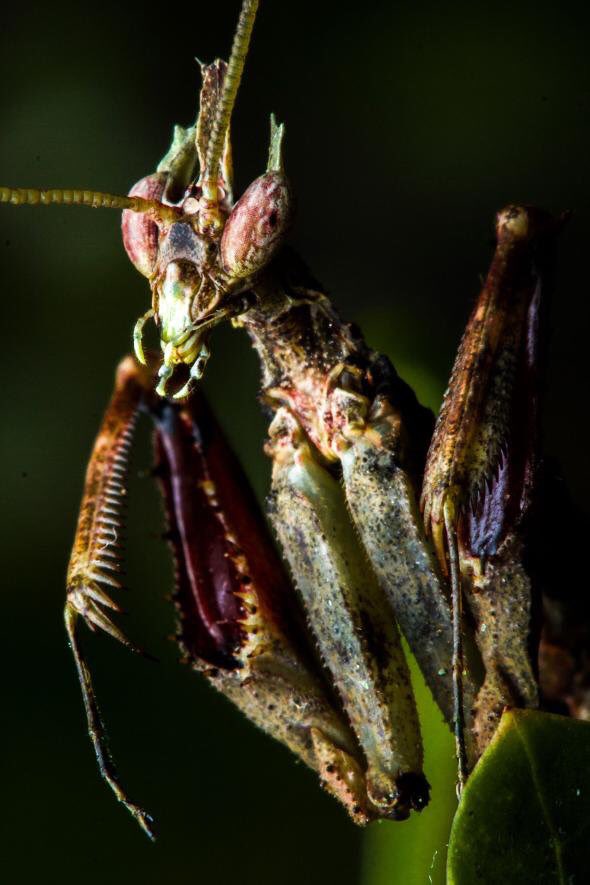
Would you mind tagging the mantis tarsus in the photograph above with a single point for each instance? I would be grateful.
(386, 799)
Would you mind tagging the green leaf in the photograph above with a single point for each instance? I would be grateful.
(525, 812)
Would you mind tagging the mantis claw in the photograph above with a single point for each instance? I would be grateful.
(97, 548)
(96, 727)
(196, 372)
(164, 374)
(98, 595)
(138, 336)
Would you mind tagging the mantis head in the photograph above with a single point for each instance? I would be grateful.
(181, 229)
(201, 258)
(201, 261)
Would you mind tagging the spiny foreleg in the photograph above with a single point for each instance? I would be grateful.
(238, 621)
(96, 554)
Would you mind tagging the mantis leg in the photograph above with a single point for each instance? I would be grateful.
(382, 501)
(479, 491)
(95, 558)
(353, 628)
(378, 446)
(238, 621)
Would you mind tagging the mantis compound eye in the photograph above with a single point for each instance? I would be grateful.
(140, 231)
(256, 226)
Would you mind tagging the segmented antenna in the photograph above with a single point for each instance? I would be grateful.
(28, 196)
(231, 84)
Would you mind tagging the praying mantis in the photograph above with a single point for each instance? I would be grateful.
(417, 798)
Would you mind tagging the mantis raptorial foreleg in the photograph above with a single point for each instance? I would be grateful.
(96, 554)
(238, 621)
(353, 627)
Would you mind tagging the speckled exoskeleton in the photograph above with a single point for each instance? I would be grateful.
(312, 654)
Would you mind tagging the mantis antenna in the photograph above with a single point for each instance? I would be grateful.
(99, 200)
(227, 100)
(27, 196)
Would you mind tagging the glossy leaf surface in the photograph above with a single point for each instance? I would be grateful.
(525, 812)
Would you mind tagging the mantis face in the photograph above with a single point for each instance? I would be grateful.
(201, 260)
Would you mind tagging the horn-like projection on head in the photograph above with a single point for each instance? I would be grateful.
(24, 196)
(172, 245)
(210, 218)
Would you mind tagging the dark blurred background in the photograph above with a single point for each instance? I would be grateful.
(408, 126)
